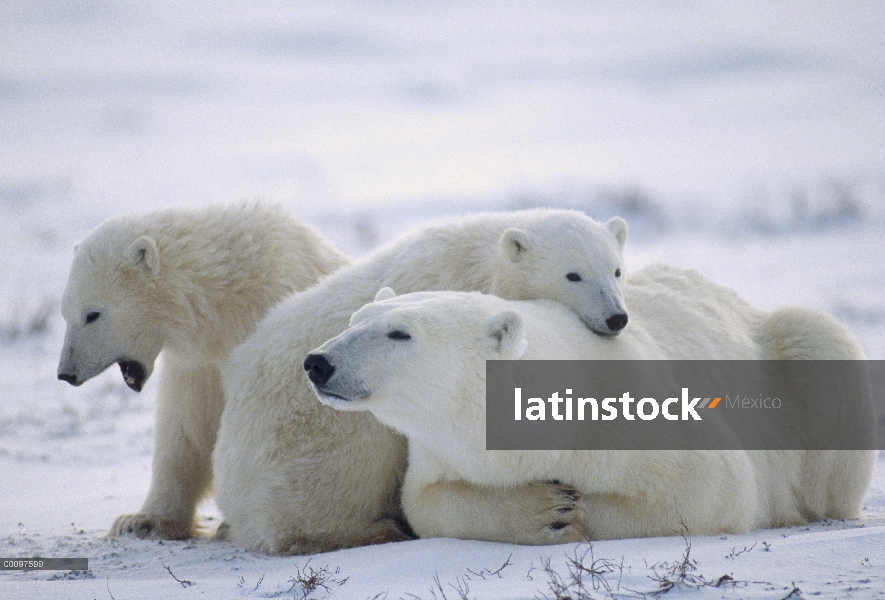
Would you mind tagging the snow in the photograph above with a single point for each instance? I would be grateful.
(741, 139)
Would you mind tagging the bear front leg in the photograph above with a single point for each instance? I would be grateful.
(537, 513)
(189, 405)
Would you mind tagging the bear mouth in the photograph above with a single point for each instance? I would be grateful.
(333, 396)
(134, 373)
(338, 401)
(607, 333)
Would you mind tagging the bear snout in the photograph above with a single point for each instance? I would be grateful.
(72, 379)
(616, 322)
(319, 370)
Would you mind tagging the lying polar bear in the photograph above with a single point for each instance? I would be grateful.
(293, 476)
(417, 362)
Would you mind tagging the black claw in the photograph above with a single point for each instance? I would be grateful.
(564, 510)
(140, 529)
(558, 525)
(570, 494)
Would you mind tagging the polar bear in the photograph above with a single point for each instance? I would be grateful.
(191, 284)
(417, 362)
(293, 476)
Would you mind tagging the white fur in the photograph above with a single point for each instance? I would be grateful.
(294, 476)
(428, 382)
(192, 284)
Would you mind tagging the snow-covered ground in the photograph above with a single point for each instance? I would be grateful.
(741, 139)
(73, 459)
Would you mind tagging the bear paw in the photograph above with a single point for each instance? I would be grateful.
(148, 526)
(562, 518)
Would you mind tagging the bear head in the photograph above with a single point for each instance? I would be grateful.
(400, 350)
(112, 306)
(570, 258)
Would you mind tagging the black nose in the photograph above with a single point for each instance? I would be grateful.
(72, 379)
(319, 370)
(616, 322)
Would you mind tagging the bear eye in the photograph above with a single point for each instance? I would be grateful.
(573, 277)
(399, 335)
(92, 316)
(617, 272)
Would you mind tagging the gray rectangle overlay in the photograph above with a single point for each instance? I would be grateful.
(685, 405)
(44, 564)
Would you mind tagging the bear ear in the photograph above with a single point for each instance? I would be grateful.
(515, 243)
(618, 228)
(145, 255)
(505, 332)
(384, 293)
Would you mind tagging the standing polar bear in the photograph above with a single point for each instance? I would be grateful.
(293, 476)
(192, 284)
(417, 362)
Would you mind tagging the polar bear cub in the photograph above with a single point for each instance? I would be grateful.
(521, 255)
(417, 362)
(191, 284)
